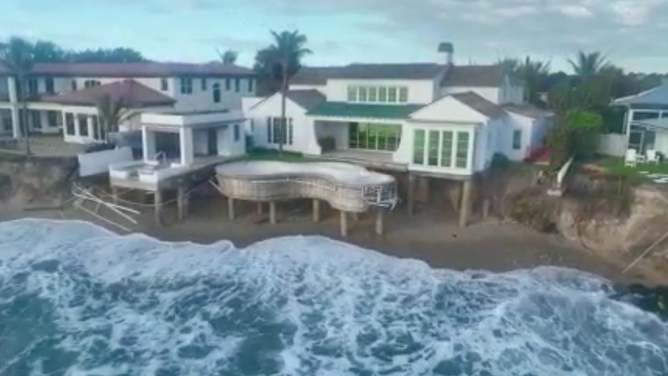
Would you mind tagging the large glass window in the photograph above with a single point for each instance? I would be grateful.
(377, 94)
(277, 133)
(69, 124)
(462, 156)
(446, 148)
(381, 137)
(517, 139)
(432, 150)
(435, 148)
(418, 146)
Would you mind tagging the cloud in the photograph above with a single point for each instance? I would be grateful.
(519, 27)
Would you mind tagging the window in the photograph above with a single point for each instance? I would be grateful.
(372, 94)
(250, 85)
(69, 124)
(392, 94)
(74, 85)
(237, 85)
(382, 94)
(517, 139)
(186, 85)
(362, 94)
(83, 125)
(228, 84)
(164, 84)
(462, 155)
(53, 119)
(203, 84)
(403, 95)
(352, 94)
(446, 148)
(49, 86)
(237, 134)
(276, 133)
(418, 146)
(91, 83)
(96, 128)
(36, 118)
(432, 149)
(216, 93)
(380, 137)
(32, 86)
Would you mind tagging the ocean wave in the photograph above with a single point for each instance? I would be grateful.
(76, 299)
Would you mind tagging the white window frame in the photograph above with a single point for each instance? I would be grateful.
(470, 152)
(186, 84)
(354, 93)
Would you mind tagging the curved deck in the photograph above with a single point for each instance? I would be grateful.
(345, 187)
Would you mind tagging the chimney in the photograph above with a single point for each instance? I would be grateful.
(446, 51)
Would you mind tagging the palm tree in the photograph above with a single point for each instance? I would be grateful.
(287, 51)
(111, 113)
(532, 72)
(228, 57)
(586, 65)
(18, 55)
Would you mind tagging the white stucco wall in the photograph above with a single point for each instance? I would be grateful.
(304, 137)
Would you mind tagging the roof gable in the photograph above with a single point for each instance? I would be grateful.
(305, 99)
(657, 96)
(132, 93)
(463, 107)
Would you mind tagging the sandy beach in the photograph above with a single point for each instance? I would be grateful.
(433, 237)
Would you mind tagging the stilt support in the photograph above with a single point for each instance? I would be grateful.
(411, 193)
(316, 210)
(379, 222)
(157, 202)
(260, 208)
(465, 203)
(344, 223)
(272, 212)
(230, 208)
(182, 203)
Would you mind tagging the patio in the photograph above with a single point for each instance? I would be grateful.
(654, 172)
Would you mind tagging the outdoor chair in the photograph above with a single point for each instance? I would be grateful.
(631, 157)
(652, 156)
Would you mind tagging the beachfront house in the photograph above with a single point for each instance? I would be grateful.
(646, 120)
(434, 118)
(65, 97)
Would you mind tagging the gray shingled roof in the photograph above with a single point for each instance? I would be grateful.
(474, 76)
(480, 104)
(307, 99)
(527, 109)
(414, 71)
(657, 96)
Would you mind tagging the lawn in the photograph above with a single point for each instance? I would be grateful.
(615, 167)
(275, 155)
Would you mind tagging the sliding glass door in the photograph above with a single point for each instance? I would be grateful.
(378, 137)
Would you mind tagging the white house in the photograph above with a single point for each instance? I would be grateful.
(645, 120)
(64, 96)
(434, 118)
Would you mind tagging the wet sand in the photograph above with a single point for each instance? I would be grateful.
(433, 237)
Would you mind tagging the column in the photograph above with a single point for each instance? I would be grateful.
(316, 210)
(343, 218)
(93, 130)
(186, 146)
(411, 193)
(181, 199)
(77, 130)
(158, 207)
(148, 144)
(230, 208)
(379, 221)
(13, 95)
(260, 209)
(16, 124)
(272, 212)
(465, 203)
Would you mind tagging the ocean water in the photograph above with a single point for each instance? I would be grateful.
(78, 300)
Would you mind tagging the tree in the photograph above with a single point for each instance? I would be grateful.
(106, 55)
(47, 52)
(228, 57)
(111, 113)
(587, 65)
(286, 52)
(18, 56)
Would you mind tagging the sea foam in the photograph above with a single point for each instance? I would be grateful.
(76, 299)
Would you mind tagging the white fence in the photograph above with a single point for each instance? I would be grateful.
(612, 144)
(98, 162)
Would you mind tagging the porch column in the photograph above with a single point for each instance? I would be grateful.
(16, 124)
(148, 144)
(11, 84)
(91, 128)
(186, 146)
(77, 130)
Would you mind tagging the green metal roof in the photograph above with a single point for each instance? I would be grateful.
(374, 111)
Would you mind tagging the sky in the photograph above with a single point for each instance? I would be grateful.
(631, 33)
